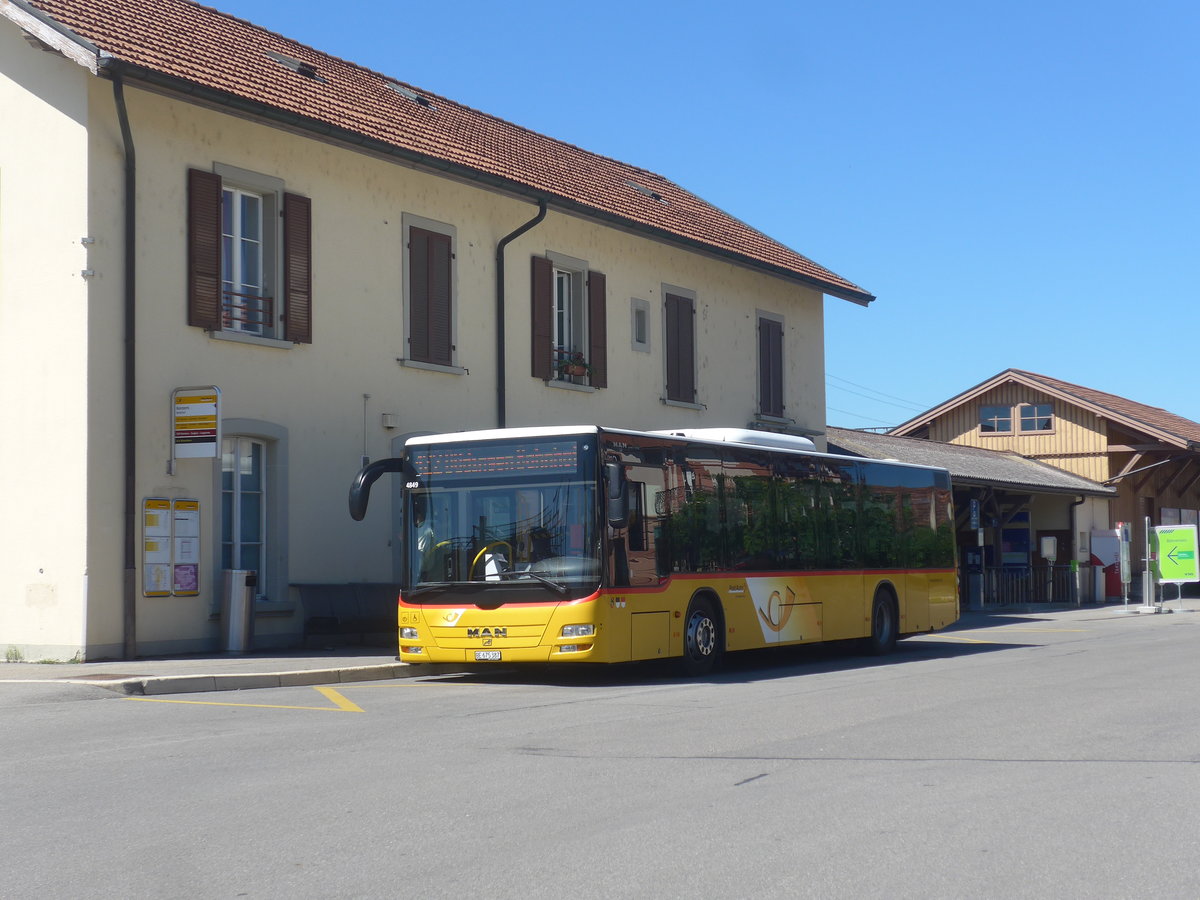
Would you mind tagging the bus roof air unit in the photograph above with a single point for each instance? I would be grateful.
(744, 436)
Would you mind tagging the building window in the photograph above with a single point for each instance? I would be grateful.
(244, 506)
(770, 365)
(569, 321)
(570, 324)
(1036, 417)
(249, 256)
(245, 303)
(680, 340)
(429, 291)
(995, 419)
(639, 328)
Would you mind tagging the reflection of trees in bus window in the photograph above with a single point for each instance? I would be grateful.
(693, 527)
(637, 516)
(758, 512)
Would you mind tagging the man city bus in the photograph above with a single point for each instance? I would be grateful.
(588, 544)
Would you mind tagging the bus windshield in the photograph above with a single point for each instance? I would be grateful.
(518, 513)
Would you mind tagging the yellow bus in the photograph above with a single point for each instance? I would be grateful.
(598, 545)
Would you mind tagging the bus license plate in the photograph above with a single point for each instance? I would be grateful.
(487, 655)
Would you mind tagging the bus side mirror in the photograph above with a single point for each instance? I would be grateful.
(618, 495)
(360, 491)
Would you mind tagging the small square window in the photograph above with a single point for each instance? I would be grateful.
(995, 419)
(640, 325)
(1037, 417)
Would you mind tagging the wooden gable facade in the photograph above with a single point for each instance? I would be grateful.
(1151, 456)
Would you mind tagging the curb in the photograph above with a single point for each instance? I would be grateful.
(154, 685)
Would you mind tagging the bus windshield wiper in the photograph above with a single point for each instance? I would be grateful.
(550, 583)
(427, 587)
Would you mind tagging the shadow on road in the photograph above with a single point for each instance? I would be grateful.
(738, 668)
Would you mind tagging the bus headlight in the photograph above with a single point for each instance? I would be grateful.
(578, 631)
(408, 634)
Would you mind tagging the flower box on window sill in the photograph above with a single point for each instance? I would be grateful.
(571, 364)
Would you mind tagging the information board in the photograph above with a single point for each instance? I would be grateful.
(196, 422)
(1174, 550)
(170, 547)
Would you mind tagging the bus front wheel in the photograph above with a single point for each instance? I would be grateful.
(885, 625)
(701, 637)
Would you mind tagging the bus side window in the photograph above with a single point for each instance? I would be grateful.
(637, 515)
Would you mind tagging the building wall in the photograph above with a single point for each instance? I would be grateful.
(320, 405)
(45, 309)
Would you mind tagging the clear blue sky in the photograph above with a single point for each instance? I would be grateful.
(1018, 183)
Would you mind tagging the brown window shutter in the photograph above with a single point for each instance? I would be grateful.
(681, 350)
(418, 294)
(297, 268)
(429, 297)
(204, 249)
(770, 367)
(542, 315)
(441, 347)
(598, 329)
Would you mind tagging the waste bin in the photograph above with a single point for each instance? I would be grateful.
(237, 609)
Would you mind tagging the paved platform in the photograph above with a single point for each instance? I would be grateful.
(220, 672)
(289, 668)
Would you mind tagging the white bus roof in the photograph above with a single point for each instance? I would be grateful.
(745, 437)
(718, 435)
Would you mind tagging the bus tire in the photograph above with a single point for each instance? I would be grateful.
(885, 624)
(701, 637)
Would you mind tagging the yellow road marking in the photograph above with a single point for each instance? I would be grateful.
(1006, 630)
(1035, 630)
(342, 704)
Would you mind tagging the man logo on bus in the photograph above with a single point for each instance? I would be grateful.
(777, 608)
(487, 632)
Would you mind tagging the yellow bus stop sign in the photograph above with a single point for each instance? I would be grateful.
(1175, 554)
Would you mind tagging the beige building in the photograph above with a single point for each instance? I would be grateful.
(1150, 456)
(232, 267)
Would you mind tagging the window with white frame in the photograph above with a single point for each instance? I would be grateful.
(570, 324)
(244, 506)
(246, 305)
(249, 256)
(569, 321)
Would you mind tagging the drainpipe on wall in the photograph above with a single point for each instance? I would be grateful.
(129, 599)
(501, 413)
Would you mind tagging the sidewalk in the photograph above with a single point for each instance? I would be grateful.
(291, 668)
(221, 672)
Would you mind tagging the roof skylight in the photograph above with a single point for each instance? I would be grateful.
(653, 195)
(410, 94)
(308, 70)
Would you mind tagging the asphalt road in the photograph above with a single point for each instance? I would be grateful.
(1040, 756)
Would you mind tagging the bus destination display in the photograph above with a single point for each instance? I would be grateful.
(542, 457)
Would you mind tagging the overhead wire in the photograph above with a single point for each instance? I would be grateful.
(875, 396)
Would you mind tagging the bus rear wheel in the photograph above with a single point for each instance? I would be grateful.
(885, 625)
(701, 638)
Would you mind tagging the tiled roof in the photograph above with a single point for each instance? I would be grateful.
(1128, 411)
(183, 43)
(967, 465)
